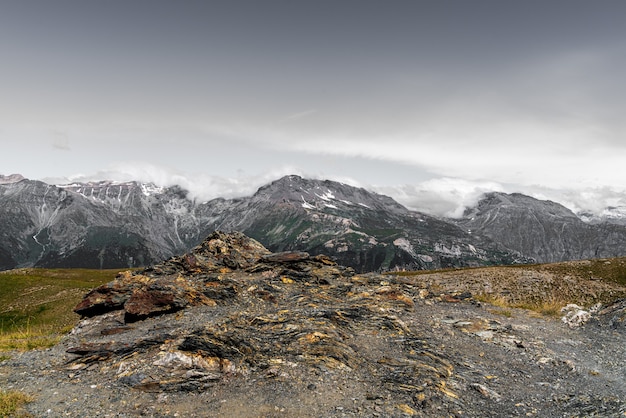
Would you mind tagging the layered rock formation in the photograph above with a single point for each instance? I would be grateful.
(231, 329)
(231, 310)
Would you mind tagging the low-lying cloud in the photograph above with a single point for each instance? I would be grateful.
(444, 197)
(449, 197)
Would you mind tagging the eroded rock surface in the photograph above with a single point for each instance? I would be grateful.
(231, 329)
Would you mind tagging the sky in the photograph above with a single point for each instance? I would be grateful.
(432, 102)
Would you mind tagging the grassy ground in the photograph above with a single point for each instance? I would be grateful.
(613, 270)
(36, 304)
(542, 288)
(11, 402)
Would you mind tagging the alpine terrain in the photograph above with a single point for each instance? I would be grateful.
(231, 329)
(112, 225)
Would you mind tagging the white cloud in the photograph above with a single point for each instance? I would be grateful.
(300, 115)
(449, 197)
(446, 197)
(201, 187)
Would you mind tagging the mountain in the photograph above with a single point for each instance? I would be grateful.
(99, 225)
(111, 225)
(543, 230)
(358, 228)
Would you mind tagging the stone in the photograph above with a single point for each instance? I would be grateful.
(486, 392)
(575, 316)
(238, 334)
(285, 257)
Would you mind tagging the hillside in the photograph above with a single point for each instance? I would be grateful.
(544, 230)
(117, 225)
(246, 332)
(123, 225)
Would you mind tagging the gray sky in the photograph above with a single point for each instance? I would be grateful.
(423, 100)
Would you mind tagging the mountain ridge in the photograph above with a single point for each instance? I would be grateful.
(544, 230)
(130, 224)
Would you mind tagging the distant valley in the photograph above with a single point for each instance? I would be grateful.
(118, 225)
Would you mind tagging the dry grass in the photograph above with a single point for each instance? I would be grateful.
(29, 340)
(503, 305)
(543, 289)
(11, 402)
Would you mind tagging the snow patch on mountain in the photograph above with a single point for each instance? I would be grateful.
(306, 204)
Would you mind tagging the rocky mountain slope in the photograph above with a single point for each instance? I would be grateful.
(131, 224)
(543, 230)
(112, 225)
(233, 330)
(358, 228)
(101, 225)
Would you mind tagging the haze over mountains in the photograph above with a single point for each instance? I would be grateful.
(110, 224)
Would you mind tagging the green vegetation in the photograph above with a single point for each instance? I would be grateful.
(11, 402)
(36, 304)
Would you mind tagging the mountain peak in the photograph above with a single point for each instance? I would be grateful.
(542, 229)
(312, 194)
(11, 178)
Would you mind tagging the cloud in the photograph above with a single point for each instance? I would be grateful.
(444, 196)
(300, 115)
(447, 197)
(201, 187)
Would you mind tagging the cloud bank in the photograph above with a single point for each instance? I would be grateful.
(443, 197)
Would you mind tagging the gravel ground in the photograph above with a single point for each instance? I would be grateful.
(503, 366)
(231, 330)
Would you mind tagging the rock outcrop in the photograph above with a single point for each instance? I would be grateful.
(256, 315)
(246, 332)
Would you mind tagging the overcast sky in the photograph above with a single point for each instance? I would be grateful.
(432, 102)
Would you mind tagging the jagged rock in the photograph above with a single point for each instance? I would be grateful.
(286, 256)
(247, 312)
(232, 330)
(486, 392)
(575, 316)
(171, 286)
(613, 316)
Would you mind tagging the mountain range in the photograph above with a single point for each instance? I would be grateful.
(111, 225)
